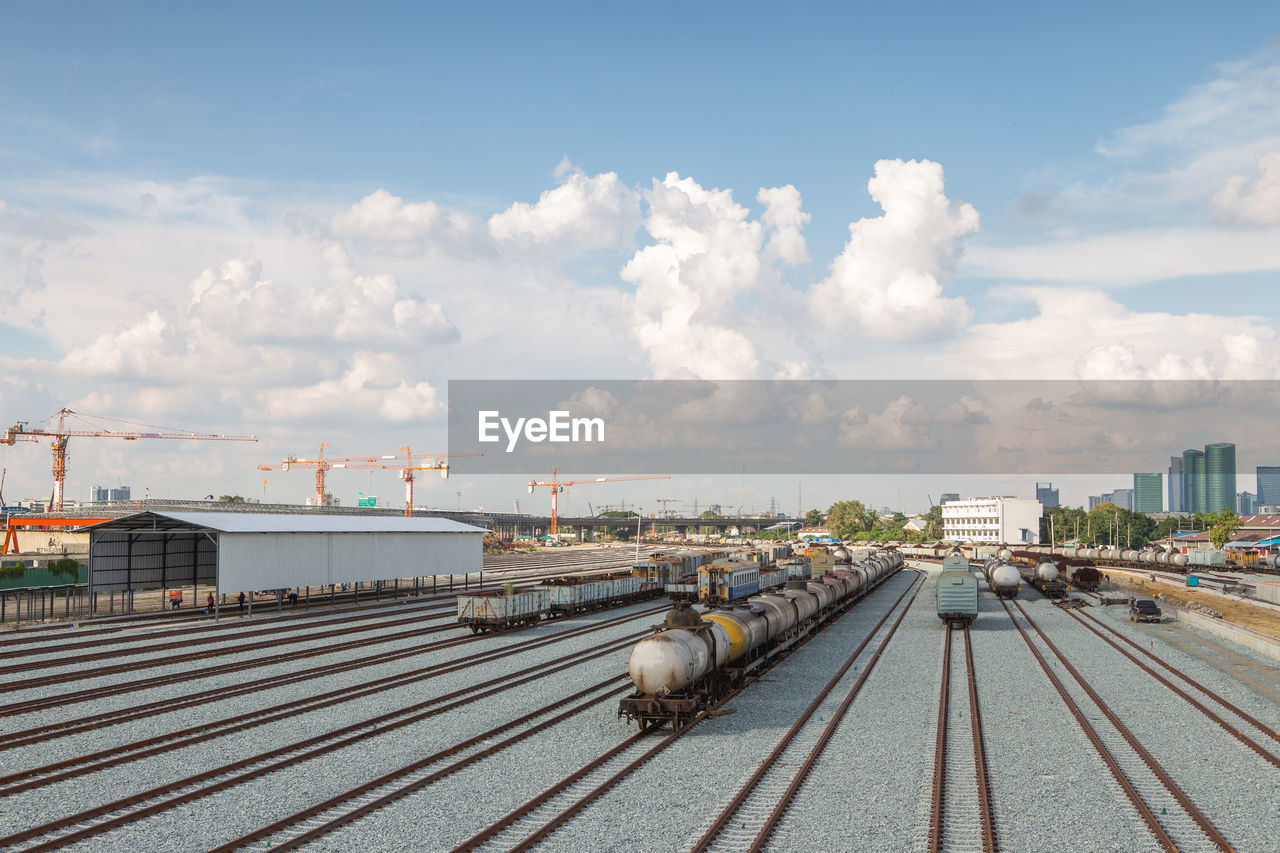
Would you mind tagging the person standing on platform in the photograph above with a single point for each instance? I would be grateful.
(240, 599)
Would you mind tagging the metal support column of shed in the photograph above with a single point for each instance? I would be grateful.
(247, 551)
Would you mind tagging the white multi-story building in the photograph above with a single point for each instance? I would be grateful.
(992, 520)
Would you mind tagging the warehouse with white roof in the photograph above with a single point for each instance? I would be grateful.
(234, 551)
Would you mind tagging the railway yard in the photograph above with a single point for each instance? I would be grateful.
(388, 726)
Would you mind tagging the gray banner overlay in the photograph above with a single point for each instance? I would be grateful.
(856, 426)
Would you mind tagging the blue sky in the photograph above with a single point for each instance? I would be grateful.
(162, 168)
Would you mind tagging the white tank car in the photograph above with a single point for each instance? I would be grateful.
(1003, 578)
(1046, 572)
(1004, 554)
(664, 663)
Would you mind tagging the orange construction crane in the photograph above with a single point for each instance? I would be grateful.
(23, 431)
(557, 486)
(405, 464)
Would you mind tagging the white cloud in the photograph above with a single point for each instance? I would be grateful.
(707, 255)
(373, 384)
(887, 281)
(1242, 101)
(785, 220)
(385, 219)
(1083, 333)
(1132, 256)
(1252, 201)
(593, 211)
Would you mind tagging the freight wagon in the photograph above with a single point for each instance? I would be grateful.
(578, 595)
(957, 596)
(501, 610)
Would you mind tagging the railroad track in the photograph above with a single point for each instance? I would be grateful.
(95, 693)
(961, 813)
(321, 612)
(414, 615)
(336, 812)
(524, 569)
(751, 816)
(537, 819)
(112, 815)
(1179, 824)
(1266, 747)
(63, 728)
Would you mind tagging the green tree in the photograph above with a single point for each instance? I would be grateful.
(709, 514)
(1222, 526)
(231, 499)
(846, 519)
(813, 518)
(932, 523)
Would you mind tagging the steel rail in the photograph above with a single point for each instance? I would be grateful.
(71, 768)
(779, 811)
(540, 834)
(938, 796)
(1125, 783)
(771, 760)
(1217, 697)
(1166, 780)
(165, 797)
(339, 821)
(985, 805)
(1266, 755)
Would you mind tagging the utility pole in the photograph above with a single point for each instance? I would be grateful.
(459, 494)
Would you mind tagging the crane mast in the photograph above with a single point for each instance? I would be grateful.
(556, 486)
(61, 435)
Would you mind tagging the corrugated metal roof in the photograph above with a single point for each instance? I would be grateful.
(1259, 521)
(248, 522)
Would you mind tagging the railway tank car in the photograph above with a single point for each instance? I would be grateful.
(694, 657)
(1004, 578)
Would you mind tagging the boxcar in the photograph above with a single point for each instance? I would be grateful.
(957, 597)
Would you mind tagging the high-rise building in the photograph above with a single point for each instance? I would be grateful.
(948, 496)
(1047, 494)
(1122, 498)
(120, 494)
(1094, 500)
(1148, 493)
(99, 493)
(1268, 484)
(1220, 476)
(1246, 503)
(1193, 494)
(1175, 484)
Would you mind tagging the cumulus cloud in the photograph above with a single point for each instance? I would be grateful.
(785, 220)
(904, 423)
(373, 383)
(888, 279)
(593, 211)
(706, 254)
(1083, 333)
(1252, 200)
(385, 219)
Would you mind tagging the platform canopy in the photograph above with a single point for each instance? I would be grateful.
(235, 551)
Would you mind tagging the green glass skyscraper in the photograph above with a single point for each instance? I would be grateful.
(1193, 494)
(1148, 493)
(1220, 476)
